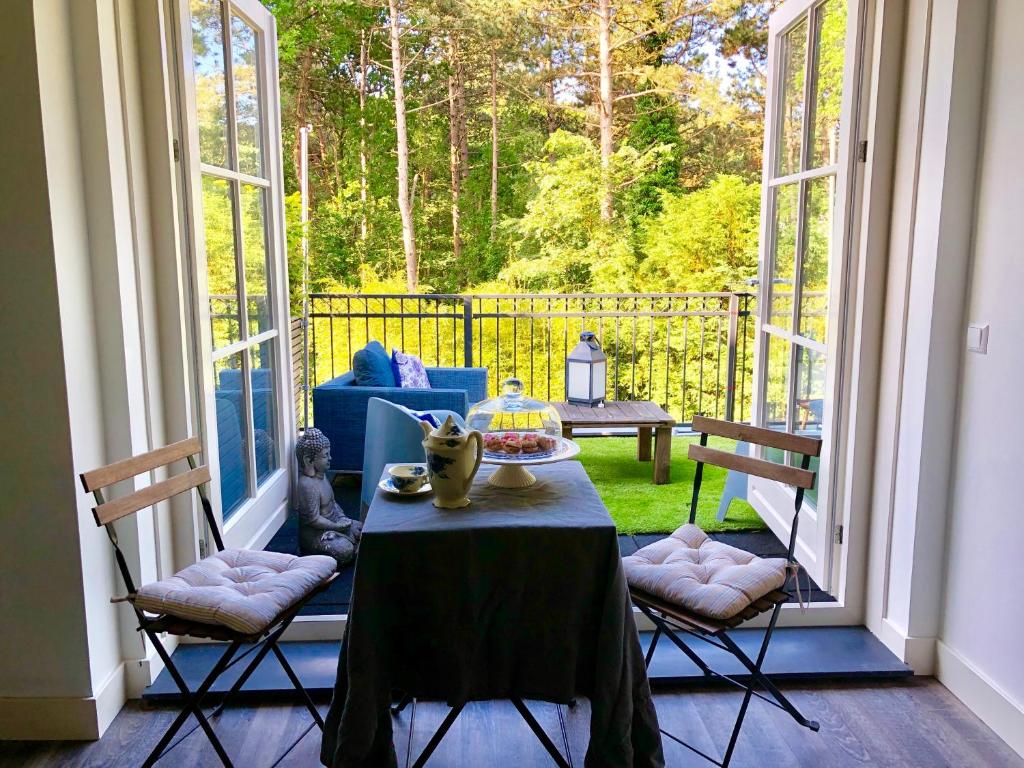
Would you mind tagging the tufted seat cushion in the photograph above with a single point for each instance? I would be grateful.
(705, 577)
(241, 589)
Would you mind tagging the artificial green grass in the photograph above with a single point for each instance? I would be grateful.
(638, 506)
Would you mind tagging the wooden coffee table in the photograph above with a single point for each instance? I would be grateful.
(645, 416)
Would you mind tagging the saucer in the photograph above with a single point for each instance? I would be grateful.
(388, 485)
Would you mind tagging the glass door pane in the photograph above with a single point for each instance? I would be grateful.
(245, 78)
(783, 261)
(232, 434)
(794, 72)
(827, 99)
(221, 261)
(816, 258)
(210, 80)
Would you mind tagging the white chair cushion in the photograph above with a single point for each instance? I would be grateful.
(705, 577)
(241, 589)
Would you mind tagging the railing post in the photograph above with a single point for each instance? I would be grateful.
(467, 331)
(730, 380)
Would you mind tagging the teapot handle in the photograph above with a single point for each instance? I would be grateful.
(476, 436)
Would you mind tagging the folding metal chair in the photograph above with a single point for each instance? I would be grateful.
(669, 618)
(262, 642)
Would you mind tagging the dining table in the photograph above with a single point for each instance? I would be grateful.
(520, 595)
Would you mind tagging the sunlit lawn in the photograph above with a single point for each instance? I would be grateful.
(638, 506)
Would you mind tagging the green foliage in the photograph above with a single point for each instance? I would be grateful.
(656, 125)
(704, 240)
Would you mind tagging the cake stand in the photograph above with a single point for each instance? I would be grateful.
(514, 472)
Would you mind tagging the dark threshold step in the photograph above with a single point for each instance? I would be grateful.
(795, 654)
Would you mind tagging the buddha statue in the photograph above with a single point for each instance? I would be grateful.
(324, 529)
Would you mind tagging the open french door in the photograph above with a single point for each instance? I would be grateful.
(231, 166)
(807, 199)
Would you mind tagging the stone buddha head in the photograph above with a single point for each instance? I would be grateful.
(313, 453)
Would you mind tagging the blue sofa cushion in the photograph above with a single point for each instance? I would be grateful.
(372, 367)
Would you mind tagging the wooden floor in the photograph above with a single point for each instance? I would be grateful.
(912, 723)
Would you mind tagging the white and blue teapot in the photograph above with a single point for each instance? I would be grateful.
(453, 459)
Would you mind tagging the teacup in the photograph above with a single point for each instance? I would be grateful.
(408, 478)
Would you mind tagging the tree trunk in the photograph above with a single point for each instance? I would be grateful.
(404, 203)
(494, 143)
(455, 147)
(549, 97)
(363, 56)
(605, 104)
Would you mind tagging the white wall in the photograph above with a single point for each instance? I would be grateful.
(93, 351)
(43, 649)
(983, 619)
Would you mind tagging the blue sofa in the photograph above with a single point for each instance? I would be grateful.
(339, 407)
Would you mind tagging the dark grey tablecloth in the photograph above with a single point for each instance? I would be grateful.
(520, 594)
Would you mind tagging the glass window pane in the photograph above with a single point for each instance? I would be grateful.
(794, 60)
(817, 256)
(211, 94)
(830, 58)
(264, 408)
(809, 376)
(784, 259)
(222, 279)
(232, 446)
(247, 98)
(255, 251)
(777, 389)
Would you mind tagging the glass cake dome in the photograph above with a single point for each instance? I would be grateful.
(515, 426)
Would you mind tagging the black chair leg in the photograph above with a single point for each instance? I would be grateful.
(249, 669)
(405, 701)
(691, 654)
(653, 645)
(428, 750)
(542, 737)
(192, 705)
(758, 676)
(297, 683)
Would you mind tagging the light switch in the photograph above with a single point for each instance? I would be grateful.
(977, 338)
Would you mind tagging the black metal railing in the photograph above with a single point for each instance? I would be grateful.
(690, 352)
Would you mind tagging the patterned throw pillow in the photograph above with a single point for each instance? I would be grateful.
(409, 371)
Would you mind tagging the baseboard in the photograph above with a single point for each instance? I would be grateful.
(141, 673)
(982, 695)
(916, 652)
(63, 719)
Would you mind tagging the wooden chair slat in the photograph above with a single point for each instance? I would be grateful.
(786, 441)
(799, 478)
(147, 497)
(136, 465)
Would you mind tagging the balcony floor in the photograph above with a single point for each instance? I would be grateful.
(905, 724)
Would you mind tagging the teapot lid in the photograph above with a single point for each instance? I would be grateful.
(448, 429)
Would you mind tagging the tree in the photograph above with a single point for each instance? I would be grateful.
(446, 133)
(401, 131)
(704, 240)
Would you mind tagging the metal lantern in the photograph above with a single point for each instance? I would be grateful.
(586, 369)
